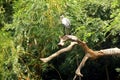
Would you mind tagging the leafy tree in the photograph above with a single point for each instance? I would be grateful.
(30, 30)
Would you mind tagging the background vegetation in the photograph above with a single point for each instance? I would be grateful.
(29, 29)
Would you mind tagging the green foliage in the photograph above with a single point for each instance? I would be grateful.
(6, 12)
(30, 30)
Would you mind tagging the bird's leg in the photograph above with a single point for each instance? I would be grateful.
(68, 31)
(65, 30)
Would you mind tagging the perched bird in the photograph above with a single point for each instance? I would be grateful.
(66, 22)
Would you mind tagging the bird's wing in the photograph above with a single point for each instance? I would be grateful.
(66, 22)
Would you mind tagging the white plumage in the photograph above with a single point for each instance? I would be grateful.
(65, 21)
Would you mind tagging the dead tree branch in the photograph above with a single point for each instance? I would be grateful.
(89, 52)
(58, 52)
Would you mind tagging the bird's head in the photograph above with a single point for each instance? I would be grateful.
(61, 17)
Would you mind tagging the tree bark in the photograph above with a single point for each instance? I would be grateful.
(89, 53)
(58, 52)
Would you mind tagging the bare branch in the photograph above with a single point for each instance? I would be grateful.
(78, 71)
(89, 52)
(58, 52)
(111, 51)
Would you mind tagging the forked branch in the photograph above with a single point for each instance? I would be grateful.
(89, 52)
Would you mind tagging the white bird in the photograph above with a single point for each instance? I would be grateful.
(66, 22)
